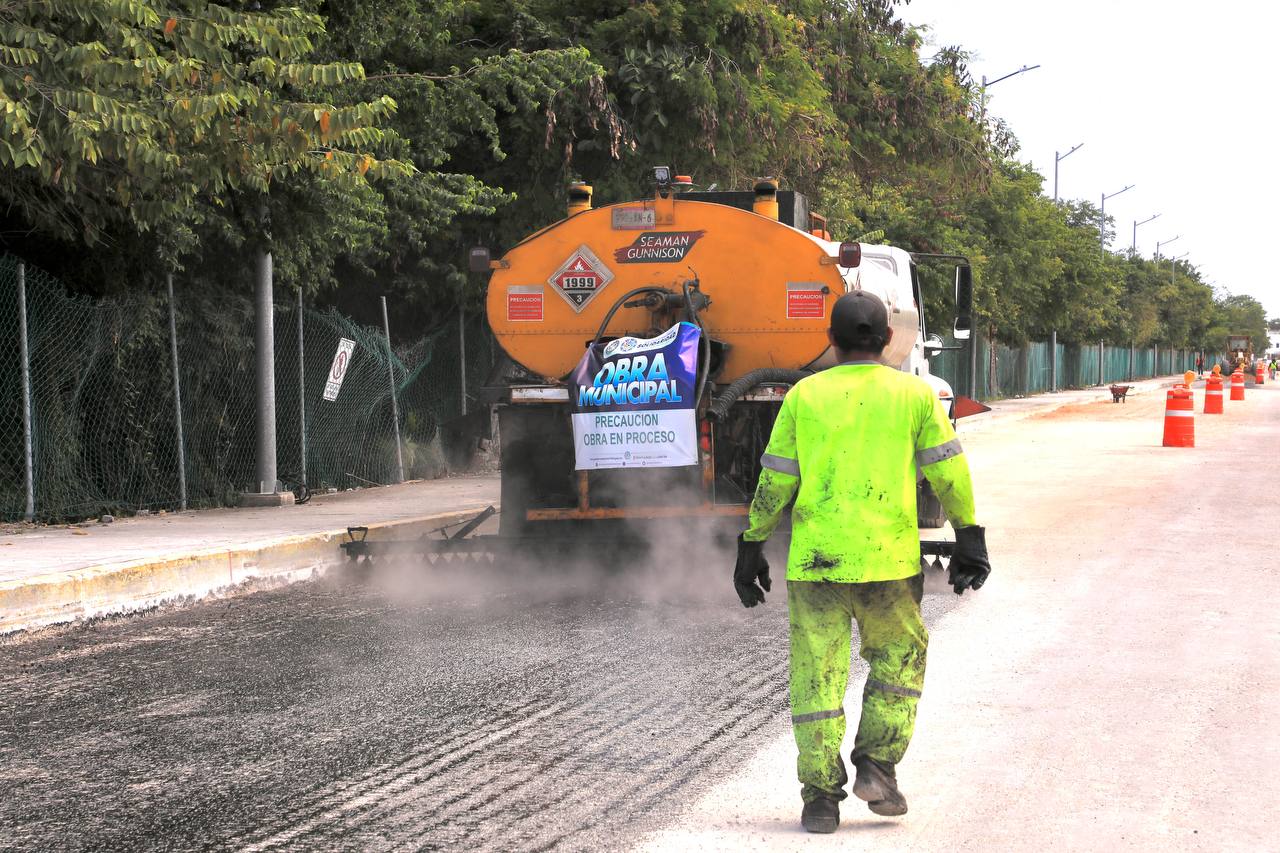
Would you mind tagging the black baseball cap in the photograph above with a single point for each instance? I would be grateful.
(859, 321)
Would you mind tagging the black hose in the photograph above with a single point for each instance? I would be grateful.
(740, 387)
(618, 304)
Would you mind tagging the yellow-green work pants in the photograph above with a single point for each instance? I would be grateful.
(894, 641)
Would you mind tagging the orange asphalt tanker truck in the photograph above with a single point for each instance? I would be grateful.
(655, 340)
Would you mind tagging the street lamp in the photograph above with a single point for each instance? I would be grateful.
(1136, 223)
(986, 83)
(1160, 243)
(1058, 158)
(1173, 265)
(1102, 215)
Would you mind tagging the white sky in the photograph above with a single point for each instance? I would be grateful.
(1175, 97)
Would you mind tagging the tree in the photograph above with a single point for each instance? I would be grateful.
(143, 112)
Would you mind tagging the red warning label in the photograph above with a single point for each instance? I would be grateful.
(806, 301)
(524, 303)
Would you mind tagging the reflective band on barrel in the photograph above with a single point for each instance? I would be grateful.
(872, 684)
(1214, 393)
(781, 464)
(817, 715)
(1179, 414)
(931, 455)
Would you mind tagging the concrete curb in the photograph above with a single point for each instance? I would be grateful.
(58, 597)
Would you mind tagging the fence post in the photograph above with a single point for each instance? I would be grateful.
(302, 397)
(1102, 363)
(25, 354)
(1155, 361)
(1053, 361)
(265, 344)
(1130, 361)
(395, 407)
(462, 349)
(177, 394)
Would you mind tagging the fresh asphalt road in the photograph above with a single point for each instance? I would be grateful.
(444, 707)
(1115, 684)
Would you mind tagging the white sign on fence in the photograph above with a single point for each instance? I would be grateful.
(341, 361)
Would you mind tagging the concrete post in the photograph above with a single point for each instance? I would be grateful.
(302, 397)
(1053, 361)
(395, 407)
(177, 393)
(1155, 360)
(266, 491)
(266, 361)
(462, 350)
(1102, 363)
(24, 350)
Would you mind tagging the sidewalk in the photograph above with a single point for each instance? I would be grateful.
(59, 574)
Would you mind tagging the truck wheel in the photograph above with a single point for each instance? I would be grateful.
(929, 511)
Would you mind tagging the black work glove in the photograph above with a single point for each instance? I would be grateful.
(752, 566)
(969, 564)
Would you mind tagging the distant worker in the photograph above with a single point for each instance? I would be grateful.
(1200, 364)
(1273, 367)
(846, 444)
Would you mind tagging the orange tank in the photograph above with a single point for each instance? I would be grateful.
(770, 286)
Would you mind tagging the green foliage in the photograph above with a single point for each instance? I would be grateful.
(136, 112)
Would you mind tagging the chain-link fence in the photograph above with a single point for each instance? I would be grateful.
(103, 432)
(1037, 367)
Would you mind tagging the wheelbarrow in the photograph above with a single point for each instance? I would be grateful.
(1118, 392)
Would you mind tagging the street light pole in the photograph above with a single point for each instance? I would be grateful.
(986, 83)
(1136, 223)
(1102, 215)
(1058, 158)
(1160, 243)
(1173, 265)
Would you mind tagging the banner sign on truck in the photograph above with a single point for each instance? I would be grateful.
(632, 402)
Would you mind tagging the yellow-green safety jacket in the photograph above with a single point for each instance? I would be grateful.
(846, 445)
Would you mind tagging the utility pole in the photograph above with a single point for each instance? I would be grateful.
(1102, 215)
(1058, 158)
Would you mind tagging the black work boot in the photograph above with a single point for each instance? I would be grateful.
(821, 814)
(877, 783)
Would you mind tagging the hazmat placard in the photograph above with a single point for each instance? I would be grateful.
(338, 370)
(632, 401)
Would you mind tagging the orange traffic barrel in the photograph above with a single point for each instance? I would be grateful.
(1179, 418)
(1213, 395)
(1237, 386)
(1262, 372)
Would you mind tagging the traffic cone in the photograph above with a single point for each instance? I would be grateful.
(1237, 385)
(1213, 395)
(1179, 418)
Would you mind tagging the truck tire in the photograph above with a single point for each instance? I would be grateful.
(929, 512)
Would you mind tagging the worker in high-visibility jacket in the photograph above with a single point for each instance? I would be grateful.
(846, 445)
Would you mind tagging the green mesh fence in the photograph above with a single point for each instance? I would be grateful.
(104, 435)
(1003, 371)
